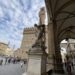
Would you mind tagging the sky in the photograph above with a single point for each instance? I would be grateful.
(15, 15)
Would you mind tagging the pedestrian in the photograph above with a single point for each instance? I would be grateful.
(24, 62)
(21, 64)
(9, 60)
(1, 62)
(69, 65)
(5, 61)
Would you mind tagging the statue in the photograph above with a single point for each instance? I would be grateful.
(40, 32)
(40, 42)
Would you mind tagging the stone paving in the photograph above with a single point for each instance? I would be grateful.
(15, 69)
(12, 69)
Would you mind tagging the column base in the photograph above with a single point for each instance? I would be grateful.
(59, 71)
(55, 72)
(58, 68)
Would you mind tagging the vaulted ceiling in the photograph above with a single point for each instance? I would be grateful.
(63, 12)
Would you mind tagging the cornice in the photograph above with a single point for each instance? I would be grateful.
(32, 30)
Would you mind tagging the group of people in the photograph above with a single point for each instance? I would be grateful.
(69, 66)
(10, 60)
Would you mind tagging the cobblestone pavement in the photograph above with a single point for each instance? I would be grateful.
(12, 69)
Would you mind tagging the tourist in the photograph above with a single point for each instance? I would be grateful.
(1, 62)
(69, 65)
(21, 64)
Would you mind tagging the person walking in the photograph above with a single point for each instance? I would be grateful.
(69, 65)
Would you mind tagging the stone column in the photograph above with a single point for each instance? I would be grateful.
(51, 46)
(58, 65)
(54, 51)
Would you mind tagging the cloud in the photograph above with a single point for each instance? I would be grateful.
(15, 15)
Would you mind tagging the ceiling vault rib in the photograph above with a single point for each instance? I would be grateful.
(68, 17)
(62, 23)
(66, 12)
(61, 34)
(65, 29)
(56, 4)
(64, 18)
(72, 32)
(66, 32)
(64, 6)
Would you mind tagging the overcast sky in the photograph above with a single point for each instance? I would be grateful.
(15, 15)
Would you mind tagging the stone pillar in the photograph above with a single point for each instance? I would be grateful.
(54, 51)
(37, 62)
(58, 65)
(51, 46)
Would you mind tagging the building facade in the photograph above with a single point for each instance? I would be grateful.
(9, 52)
(5, 50)
(29, 38)
(17, 53)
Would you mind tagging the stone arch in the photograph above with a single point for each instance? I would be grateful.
(67, 33)
(61, 17)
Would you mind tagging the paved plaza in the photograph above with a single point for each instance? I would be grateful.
(16, 69)
(12, 69)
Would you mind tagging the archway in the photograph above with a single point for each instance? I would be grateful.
(61, 25)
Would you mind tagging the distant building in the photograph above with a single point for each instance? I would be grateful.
(29, 38)
(5, 50)
(9, 52)
(17, 53)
